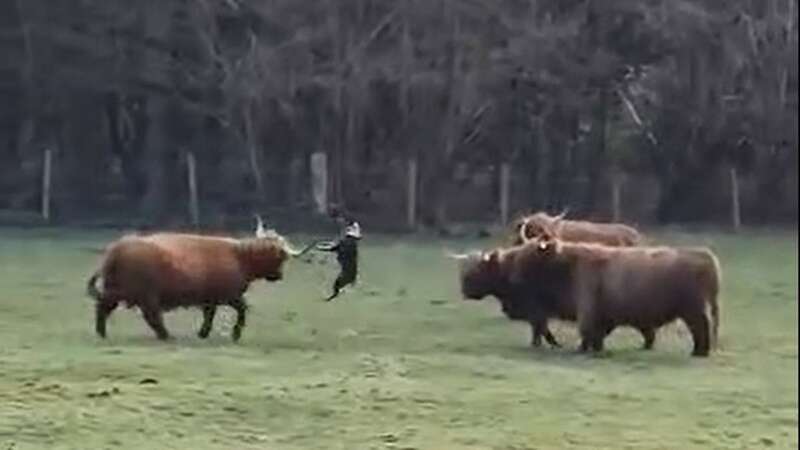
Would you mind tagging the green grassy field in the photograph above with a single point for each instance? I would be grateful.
(400, 362)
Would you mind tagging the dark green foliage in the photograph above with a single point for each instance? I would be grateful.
(571, 92)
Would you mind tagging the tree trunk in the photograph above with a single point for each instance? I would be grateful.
(27, 123)
(251, 141)
(153, 201)
(121, 126)
(191, 173)
(451, 121)
(337, 126)
(542, 169)
(407, 52)
(24, 140)
(598, 148)
(156, 22)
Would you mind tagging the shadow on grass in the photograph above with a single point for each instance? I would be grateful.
(568, 356)
(177, 342)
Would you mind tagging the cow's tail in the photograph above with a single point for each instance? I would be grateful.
(713, 299)
(91, 287)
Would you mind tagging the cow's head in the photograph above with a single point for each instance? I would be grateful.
(547, 243)
(541, 225)
(515, 237)
(269, 251)
(479, 274)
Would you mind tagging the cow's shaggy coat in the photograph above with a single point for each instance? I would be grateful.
(541, 223)
(603, 287)
(163, 271)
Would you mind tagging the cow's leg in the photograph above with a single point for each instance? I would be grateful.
(591, 338)
(103, 309)
(699, 327)
(536, 334)
(540, 329)
(208, 320)
(649, 335)
(589, 328)
(240, 305)
(154, 317)
(548, 336)
(597, 341)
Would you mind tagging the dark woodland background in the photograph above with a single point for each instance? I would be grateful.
(650, 111)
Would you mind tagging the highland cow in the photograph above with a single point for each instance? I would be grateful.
(534, 225)
(164, 271)
(612, 234)
(604, 287)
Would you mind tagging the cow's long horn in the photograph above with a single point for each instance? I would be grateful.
(522, 228)
(456, 256)
(562, 215)
(261, 232)
(297, 253)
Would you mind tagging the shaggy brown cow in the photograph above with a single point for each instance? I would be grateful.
(540, 223)
(604, 287)
(163, 271)
(613, 234)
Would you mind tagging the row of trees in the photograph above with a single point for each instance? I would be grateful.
(575, 96)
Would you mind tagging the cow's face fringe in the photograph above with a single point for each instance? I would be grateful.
(480, 274)
(264, 257)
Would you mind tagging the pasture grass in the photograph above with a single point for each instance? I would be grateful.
(398, 362)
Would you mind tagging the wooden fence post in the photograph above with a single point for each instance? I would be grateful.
(194, 209)
(411, 206)
(319, 181)
(736, 214)
(505, 192)
(47, 183)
